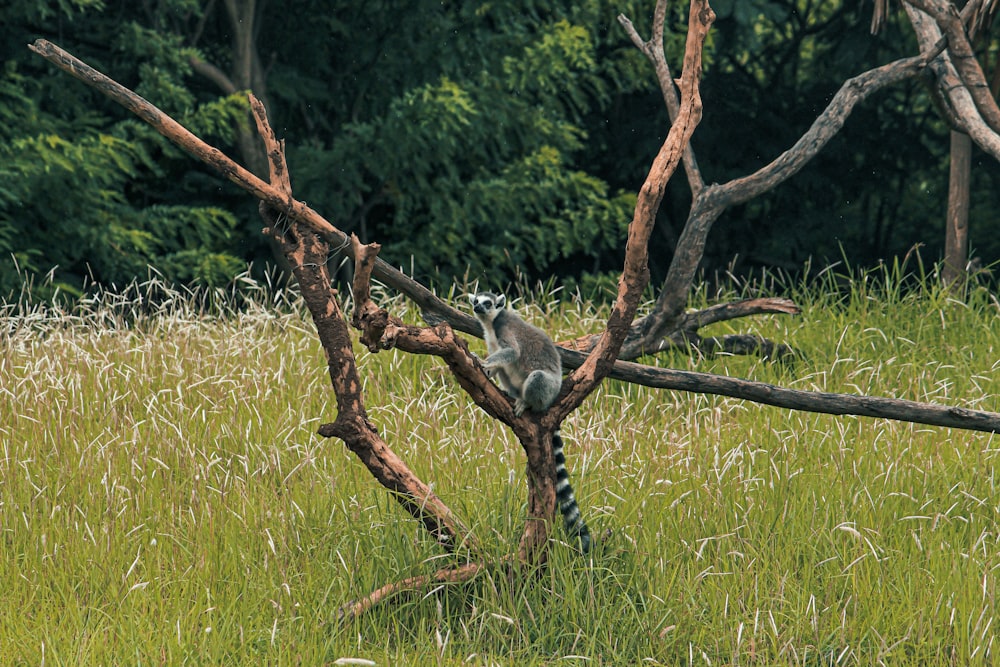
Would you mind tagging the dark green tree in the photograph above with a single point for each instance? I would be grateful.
(87, 193)
(488, 140)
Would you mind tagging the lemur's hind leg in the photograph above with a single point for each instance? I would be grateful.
(538, 392)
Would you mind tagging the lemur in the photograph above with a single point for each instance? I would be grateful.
(526, 363)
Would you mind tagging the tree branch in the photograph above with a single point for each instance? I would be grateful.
(307, 253)
(451, 575)
(746, 307)
(213, 74)
(714, 199)
(441, 311)
(795, 399)
(962, 56)
(960, 97)
(653, 50)
(635, 274)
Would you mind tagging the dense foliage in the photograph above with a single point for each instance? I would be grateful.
(487, 140)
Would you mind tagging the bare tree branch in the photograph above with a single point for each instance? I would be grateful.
(307, 253)
(653, 50)
(714, 199)
(635, 274)
(451, 575)
(443, 312)
(795, 399)
(963, 104)
(213, 74)
(962, 57)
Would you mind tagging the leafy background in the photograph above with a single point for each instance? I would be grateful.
(475, 140)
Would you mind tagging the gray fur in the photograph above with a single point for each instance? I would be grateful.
(525, 362)
(522, 357)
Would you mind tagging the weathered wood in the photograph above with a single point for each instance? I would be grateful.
(951, 23)
(796, 399)
(845, 404)
(956, 235)
(635, 273)
(449, 575)
(958, 95)
(308, 241)
(307, 253)
(711, 201)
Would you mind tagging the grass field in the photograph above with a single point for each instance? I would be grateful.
(164, 500)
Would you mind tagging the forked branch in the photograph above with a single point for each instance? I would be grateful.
(966, 104)
(635, 274)
(306, 240)
(435, 310)
(307, 254)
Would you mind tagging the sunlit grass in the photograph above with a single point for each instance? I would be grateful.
(164, 497)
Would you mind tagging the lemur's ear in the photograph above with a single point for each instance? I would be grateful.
(472, 298)
(501, 301)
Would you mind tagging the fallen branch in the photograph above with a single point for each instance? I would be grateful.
(795, 399)
(451, 575)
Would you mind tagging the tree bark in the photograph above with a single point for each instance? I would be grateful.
(307, 253)
(963, 105)
(949, 21)
(668, 322)
(956, 239)
(796, 399)
(308, 241)
(437, 311)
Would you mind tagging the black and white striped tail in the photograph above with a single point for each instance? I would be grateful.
(572, 521)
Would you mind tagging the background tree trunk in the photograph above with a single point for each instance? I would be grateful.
(956, 242)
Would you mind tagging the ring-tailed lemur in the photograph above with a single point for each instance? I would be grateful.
(526, 363)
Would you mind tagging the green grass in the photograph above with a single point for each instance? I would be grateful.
(164, 500)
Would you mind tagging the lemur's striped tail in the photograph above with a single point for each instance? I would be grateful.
(572, 521)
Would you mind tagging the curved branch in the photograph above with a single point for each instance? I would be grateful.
(960, 97)
(635, 273)
(714, 199)
(382, 331)
(213, 74)
(962, 57)
(307, 253)
(686, 331)
(451, 575)
(743, 308)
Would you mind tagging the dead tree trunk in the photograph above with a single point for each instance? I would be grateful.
(669, 325)
(308, 241)
(956, 236)
(961, 30)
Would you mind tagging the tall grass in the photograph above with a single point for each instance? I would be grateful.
(163, 497)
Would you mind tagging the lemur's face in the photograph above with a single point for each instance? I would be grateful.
(486, 305)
